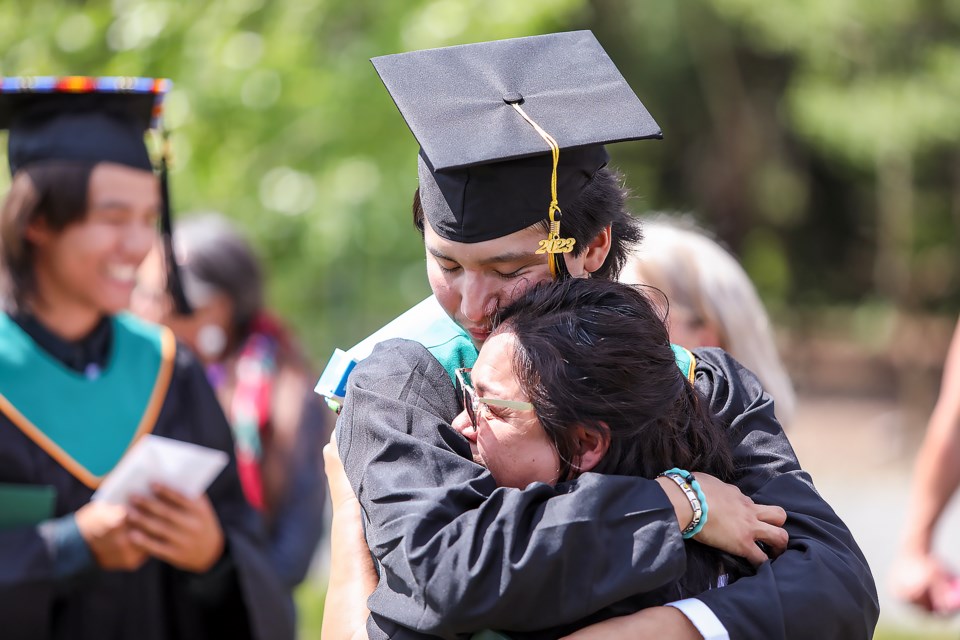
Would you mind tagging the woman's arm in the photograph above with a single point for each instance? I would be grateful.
(918, 576)
(352, 574)
(821, 587)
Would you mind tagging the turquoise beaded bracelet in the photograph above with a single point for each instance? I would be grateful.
(683, 477)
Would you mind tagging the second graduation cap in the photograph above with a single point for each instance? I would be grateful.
(485, 168)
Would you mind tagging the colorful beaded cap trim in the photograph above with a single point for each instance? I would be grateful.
(88, 84)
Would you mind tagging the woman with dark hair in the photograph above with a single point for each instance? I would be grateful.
(261, 377)
(82, 382)
(593, 360)
(580, 377)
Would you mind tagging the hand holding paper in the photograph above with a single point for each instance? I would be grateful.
(183, 466)
(181, 531)
(161, 482)
(107, 532)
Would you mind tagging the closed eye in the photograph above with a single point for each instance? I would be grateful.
(511, 275)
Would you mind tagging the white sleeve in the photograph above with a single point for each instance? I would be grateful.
(706, 622)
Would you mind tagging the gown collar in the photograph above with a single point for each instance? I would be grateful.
(87, 355)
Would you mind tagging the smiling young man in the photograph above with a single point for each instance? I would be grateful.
(81, 382)
(499, 215)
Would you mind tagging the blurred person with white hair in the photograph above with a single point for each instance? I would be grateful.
(711, 301)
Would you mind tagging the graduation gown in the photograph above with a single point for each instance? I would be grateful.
(240, 597)
(457, 554)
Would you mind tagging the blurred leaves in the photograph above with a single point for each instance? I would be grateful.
(785, 124)
(280, 121)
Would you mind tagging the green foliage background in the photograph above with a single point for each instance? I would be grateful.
(818, 138)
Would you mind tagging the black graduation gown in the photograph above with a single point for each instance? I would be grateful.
(240, 597)
(457, 554)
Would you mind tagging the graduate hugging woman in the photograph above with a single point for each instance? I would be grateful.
(572, 416)
(81, 382)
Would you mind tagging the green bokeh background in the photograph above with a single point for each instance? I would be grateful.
(817, 138)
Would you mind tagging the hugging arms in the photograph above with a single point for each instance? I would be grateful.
(458, 553)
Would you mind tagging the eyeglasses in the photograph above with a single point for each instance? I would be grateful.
(471, 401)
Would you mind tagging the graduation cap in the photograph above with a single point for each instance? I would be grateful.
(93, 120)
(511, 131)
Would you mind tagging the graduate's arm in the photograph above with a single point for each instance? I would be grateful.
(457, 553)
(37, 561)
(821, 587)
(27, 583)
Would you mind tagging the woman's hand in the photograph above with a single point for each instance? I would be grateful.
(662, 623)
(923, 580)
(181, 531)
(734, 522)
(341, 493)
(105, 529)
(352, 574)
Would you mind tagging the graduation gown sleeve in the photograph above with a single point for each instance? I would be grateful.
(459, 554)
(821, 587)
(26, 582)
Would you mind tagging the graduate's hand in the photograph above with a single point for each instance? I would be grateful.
(181, 531)
(735, 523)
(655, 623)
(105, 529)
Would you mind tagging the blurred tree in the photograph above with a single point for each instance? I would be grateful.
(818, 137)
(824, 128)
(280, 121)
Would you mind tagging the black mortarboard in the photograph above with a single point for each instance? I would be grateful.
(485, 171)
(89, 120)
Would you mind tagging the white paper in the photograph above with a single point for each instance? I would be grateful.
(182, 466)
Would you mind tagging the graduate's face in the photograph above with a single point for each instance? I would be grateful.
(92, 263)
(471, 281)
(511, 443)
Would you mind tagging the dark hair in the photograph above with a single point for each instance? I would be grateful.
(596, 354)
(54, 191)
(602, 202)
(214, 254)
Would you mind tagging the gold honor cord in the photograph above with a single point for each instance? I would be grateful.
(553, 244)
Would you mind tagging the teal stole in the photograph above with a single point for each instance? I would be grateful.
(452, 346)
(86, 425)
(448, 343)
